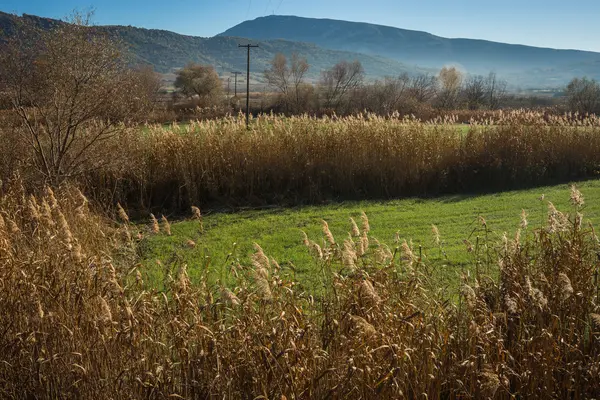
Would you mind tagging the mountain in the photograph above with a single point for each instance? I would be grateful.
(519, 63)
(383, 51)
(167, 51)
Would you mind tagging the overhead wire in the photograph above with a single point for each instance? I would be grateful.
(277, 9)
(267, 7)
(248, 10)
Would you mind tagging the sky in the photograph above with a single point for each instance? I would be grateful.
(546, 23)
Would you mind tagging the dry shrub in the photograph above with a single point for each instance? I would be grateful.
(78, 322)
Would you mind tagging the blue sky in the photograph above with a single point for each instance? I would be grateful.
(548, 23)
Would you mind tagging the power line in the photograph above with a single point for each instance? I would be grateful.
(267, 7)
(277, 9)
(249, 7)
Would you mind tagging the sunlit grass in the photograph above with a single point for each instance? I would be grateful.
(227, 238)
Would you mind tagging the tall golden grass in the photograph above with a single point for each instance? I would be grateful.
(307, 160)
(78, 321)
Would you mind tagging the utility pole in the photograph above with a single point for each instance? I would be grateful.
(248, 47)
(235, 86)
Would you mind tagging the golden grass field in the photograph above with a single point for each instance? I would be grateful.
(80, 318)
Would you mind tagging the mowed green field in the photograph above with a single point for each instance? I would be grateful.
(228, 238)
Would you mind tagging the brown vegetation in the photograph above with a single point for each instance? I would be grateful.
(70, 91)
(288, 81)
(200, 82)
(78, 320)
(307, 160)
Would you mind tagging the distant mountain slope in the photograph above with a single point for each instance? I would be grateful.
(383, 51)
(424, 49)
(167, 50)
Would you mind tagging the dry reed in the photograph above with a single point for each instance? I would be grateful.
(79, 321)
(307, 160)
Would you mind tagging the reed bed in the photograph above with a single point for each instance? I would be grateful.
(78, 321)
(301, 160)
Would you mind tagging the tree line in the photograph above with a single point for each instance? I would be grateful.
(343, 88)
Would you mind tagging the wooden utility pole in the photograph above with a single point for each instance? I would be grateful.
(248, 47)
(235, 85)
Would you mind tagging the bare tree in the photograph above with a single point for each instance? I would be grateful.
(201, 81)
(583, 95)
(387, 96)
(278, 75)
(339, 80)
(496, 91)
(299, 69)
(475, 91)
(423, 87)
(395, 90)
(287, 81)
(145, 91)
(70, 87)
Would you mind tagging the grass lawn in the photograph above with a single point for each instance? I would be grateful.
(278, 231)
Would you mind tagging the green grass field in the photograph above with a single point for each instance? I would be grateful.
(228, 237)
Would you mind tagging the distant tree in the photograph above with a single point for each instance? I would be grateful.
(495, 91)
(288, 80)
(201, 81)
(583, 95)
(305, 97)
(403, 93)
(70, 87)
(299, 69)
(339, 80)
(474, 92)
(422, 87)
(278, 75)
(382, 97)
(147, 87)
(450, 81)
(392, 93)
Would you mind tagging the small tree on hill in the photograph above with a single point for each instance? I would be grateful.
(199, 80)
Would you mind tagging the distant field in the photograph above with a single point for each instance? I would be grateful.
(278, 231)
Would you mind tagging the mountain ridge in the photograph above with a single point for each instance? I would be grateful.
(383, 50)
(167, 50)
(410, 30)
(421, 48)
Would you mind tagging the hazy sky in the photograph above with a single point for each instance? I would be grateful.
(548, 23)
